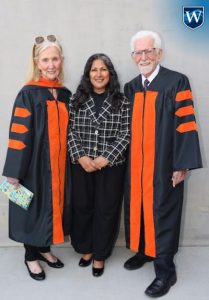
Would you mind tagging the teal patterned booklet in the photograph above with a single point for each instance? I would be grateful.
(20, 195)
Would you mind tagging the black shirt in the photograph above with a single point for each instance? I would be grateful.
(98, 101)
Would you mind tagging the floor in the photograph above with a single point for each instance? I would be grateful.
(73, 282)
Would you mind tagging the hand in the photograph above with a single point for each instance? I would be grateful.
(101, 162)
(13, 181)
(178, 176)
(87, 164)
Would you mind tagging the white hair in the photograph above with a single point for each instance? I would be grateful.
(145, 33)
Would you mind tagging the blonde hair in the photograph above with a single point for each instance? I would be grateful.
(33, 71)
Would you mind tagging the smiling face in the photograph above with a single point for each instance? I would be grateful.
(99, 76)
(148, 61)
(49, 63)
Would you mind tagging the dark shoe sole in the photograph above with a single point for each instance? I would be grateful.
(56, 265)
(173, 281)
(137, 266)
(39, 277)
(84, 263)
(97, 272)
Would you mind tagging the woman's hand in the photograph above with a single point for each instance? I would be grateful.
(87, 164)
(101, 162)
(13, 181)
(178, 176)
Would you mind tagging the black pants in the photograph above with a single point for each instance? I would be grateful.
(164, 265)
(96, 199)
(31, 252)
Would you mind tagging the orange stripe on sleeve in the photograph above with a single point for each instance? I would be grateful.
(19, 128)
(185, 111)
(188, 126)
(184, 95)
(22, 112)
(17, 145)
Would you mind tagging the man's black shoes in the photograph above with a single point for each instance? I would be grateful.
(137, 261)
(160, 286)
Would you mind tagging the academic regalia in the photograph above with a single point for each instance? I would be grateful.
(37, 156)
(163, 139)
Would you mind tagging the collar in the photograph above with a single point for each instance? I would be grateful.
(45, 83)
(152, 76)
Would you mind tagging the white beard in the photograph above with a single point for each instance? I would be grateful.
(145, 69)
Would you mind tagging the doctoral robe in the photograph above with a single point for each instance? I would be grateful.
(164, 139)
(37, 156)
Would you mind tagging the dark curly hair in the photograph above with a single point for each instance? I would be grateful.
(85, 87)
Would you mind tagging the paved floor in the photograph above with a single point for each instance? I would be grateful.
(73, 282)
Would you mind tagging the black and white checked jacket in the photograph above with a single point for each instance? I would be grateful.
(108, 135)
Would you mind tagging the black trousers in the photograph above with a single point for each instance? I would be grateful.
(164, 265)
(31, 252)
(96, 201)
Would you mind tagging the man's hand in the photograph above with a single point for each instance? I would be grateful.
(87, 164)
(101, 162)
(178, 176)
(13, 181)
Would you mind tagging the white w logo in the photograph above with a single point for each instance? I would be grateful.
(194, 15)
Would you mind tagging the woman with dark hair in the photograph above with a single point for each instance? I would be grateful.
(98, 137)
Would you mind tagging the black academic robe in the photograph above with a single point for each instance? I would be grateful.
(163, 139)
(37, 156)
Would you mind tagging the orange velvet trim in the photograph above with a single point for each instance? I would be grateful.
(188, 126)
(136, 171)
(19, 128)
(148, 172)
(184, 95)
(63, 140)
(45, 83)
(22, 112)
(15, 144)
(185, 111)
(142, 171)
(57, 130)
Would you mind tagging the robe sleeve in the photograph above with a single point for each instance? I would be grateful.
(186, 154)
(74, 143)
(20, 138)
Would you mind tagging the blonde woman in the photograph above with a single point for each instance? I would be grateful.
(36, 157)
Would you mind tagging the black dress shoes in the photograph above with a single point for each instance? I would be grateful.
(84, 263)
(97, 271)
(39, 276)
(57, 264)
(137, 261)
(160, 286)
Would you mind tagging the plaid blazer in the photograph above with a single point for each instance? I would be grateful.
(108, 135)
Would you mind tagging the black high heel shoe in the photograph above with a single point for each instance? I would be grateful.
(57, 264)
(97, 271)
(39, 276)
(84, 263)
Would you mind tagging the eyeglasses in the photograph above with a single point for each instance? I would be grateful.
(147, 52)
(40, 39)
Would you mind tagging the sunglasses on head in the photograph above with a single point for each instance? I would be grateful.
(40, 39)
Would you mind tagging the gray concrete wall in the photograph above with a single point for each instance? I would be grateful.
(88, 26)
